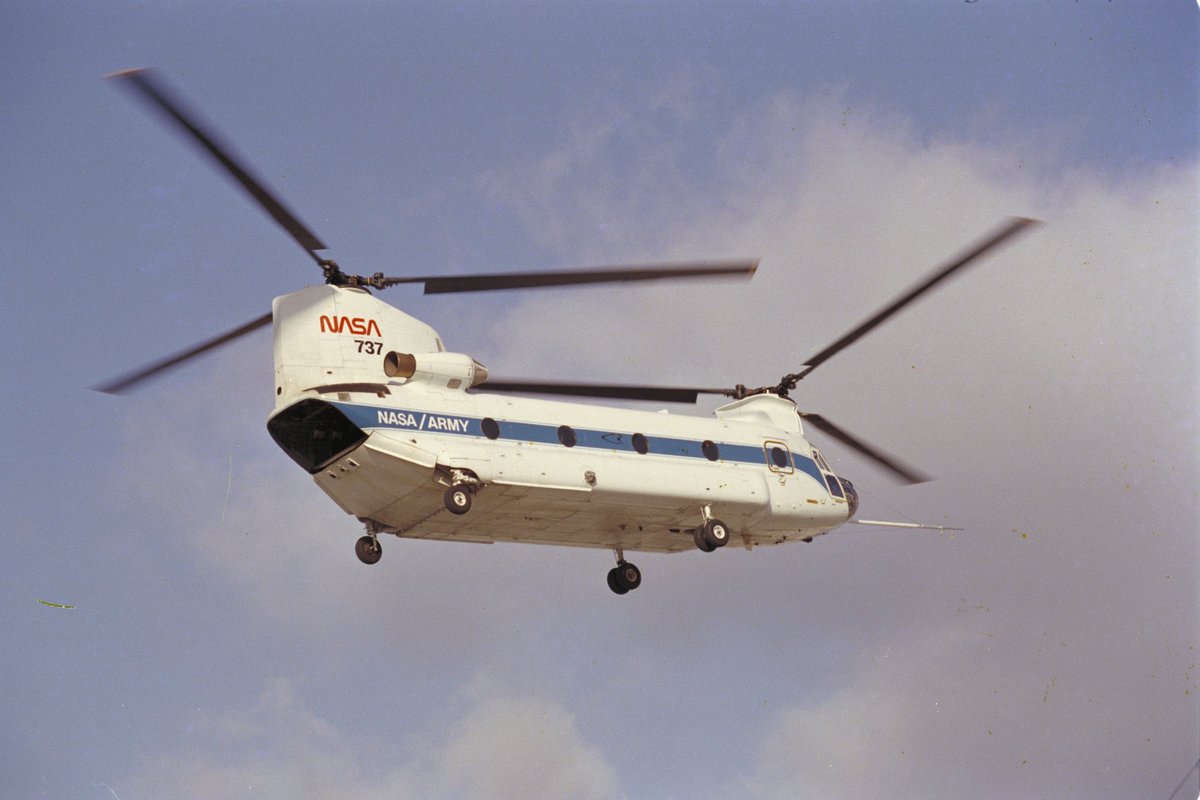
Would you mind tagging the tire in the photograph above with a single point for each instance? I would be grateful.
(613, 583)
(715, 533)
(628, 577)
(368, 550)
(458, 499)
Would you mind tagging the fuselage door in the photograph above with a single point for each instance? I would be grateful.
(779, 458)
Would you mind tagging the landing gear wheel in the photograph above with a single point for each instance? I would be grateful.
(368, 550)
(624, 577)
(458, 499)
(612, 582)
(711, 535)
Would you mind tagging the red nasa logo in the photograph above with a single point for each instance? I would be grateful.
(359, 326)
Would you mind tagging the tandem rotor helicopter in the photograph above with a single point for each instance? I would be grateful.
(416, 441)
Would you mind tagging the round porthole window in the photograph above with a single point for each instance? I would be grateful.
(641, 444)
(566, 436)
(491, 428)
(779, 457)
(710, 450)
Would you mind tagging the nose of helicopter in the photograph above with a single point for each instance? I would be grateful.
(851, 495)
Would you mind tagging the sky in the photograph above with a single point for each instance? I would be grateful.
(224, 641)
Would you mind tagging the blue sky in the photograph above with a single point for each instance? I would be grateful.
(226, 642)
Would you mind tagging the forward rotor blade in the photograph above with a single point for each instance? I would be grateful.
(1010, 228)
(152, 89)
(531, 280)
(896, 466)
(662, 394)
(127, 382)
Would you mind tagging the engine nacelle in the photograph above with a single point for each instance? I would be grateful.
(449, 370)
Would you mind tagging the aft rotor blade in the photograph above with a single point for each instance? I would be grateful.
(662, 394)
(896, 466)
(152, 89)
(1010, 228)
(130, 381)
(533, 280)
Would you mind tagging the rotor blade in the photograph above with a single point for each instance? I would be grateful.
(1013, 226)
(896, 466)
(663, 394)
(532, 280)
(127, 382)
(152, 89)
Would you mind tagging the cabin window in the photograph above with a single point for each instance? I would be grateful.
(566, 436)
(491, 428)
(778, 458)
(641, 444)
(710, 450)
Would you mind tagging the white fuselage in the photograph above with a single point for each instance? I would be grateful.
(385, 446)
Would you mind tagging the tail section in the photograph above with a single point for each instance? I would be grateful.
(329, 336)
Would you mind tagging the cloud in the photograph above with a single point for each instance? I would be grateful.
(1054, 390)
(521, 747)
(504, 746)
(965, 713)
(847, 207)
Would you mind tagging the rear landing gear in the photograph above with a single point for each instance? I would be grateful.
(368, 550)
(624, 577)
(458, 499)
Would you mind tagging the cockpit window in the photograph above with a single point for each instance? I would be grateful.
(831, 480)
(835, 486)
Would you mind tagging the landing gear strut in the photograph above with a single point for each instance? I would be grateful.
(712, 534)
(463, 485)
(624, 577)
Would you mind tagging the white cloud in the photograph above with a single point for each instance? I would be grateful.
(505, 746)
(521, 747)
(1054, 389)
(962, 713)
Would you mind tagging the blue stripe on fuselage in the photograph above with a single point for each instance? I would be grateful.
(368, 417)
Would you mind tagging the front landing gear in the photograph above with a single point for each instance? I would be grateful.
(368, 550)
(711, 534)
(624, 577)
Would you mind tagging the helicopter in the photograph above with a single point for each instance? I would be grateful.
(417, 441)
